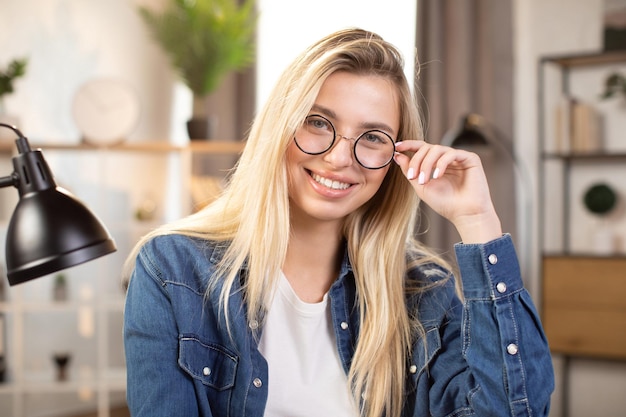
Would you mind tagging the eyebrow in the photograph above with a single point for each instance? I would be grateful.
(364, 125)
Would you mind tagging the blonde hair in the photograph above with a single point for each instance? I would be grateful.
(252, 215)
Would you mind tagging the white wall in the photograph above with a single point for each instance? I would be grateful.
(71, 41)
(551, 27)
(287, 27)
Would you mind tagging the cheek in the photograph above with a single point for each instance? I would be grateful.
(375, 178)
(293, 157)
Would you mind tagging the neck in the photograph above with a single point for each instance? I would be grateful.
(313, 259)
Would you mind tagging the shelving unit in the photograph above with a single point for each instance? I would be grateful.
(115, 182)
(584, 291)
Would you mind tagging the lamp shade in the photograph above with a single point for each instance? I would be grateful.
(469, 132)
(51, 230)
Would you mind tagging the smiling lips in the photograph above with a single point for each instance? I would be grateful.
(334, 185)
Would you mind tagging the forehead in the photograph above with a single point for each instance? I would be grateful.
(357, 100)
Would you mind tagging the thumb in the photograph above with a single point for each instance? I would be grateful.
(403, 162)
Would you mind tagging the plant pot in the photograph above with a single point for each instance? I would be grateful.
(201, 128)
(61, 360)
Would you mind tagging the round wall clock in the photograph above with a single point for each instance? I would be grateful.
(106, 111)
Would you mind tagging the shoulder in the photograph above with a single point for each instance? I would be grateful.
(174, 245)
(181, 259)
(431, 291)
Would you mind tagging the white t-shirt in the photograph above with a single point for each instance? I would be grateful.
(306, 378)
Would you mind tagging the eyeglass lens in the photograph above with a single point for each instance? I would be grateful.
(373, 149)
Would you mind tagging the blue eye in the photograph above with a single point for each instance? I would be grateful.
(376, 138)
(318, 125)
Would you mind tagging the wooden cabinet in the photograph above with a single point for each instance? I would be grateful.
(584, 305)
(133, 188)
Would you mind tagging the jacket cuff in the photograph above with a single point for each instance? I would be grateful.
(489, 270)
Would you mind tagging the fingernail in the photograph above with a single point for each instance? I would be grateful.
(422, 178)
(395, 156)
(436, 173)
(410, 174)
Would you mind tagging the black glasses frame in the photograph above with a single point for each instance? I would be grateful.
(356, 140)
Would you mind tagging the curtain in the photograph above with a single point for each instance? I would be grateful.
(465, 54)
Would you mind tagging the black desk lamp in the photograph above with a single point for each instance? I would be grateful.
(50, 229)
(473, 130)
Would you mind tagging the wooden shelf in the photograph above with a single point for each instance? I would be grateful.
(208, 147)
(585, 155)
(589, 59)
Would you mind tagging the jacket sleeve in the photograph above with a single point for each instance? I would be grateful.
(156, 386)
(503, 342)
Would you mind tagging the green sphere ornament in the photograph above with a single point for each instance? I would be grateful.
(600, 199)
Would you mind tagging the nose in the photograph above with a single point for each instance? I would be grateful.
(340, 155)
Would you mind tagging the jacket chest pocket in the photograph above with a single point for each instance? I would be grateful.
(211, 364)
(423, 352)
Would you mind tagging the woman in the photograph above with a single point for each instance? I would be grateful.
(301, 290)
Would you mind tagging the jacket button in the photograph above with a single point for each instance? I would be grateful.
(493, 259)
(206, 371)
(257, 382)
(413, 369)
(512, 349)
(254, 324)
(344, 325)
(501, 287)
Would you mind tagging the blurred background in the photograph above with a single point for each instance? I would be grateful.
(535, 87)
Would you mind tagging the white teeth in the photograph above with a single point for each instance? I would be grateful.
(335, 185)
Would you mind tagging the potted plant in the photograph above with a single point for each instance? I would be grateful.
(14, 70)
(204, 40)
(614, 84)
(59, 290)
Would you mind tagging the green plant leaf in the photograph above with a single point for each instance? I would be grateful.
(15, 69)
(204, 39)
(614, 84)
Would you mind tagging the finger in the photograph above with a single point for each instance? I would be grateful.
(403, 161)
(440, 159)
(409, 145)
(405, 157)
(417, 164)
(429, 165)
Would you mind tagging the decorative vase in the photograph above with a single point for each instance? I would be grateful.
(61, 360)
(200, 128)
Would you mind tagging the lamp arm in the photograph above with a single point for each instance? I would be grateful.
(19, 136)
(23, 146)
(21, 142)
(28, 162)
(9, 181)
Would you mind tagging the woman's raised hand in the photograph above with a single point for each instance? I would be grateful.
(453, 183)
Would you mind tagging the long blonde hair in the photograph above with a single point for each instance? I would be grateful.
(252, 215)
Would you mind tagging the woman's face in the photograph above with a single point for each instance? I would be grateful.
(329, 186)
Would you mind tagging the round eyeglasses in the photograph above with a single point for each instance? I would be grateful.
(373, 149)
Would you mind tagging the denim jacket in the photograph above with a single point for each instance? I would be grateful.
(485, 356)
